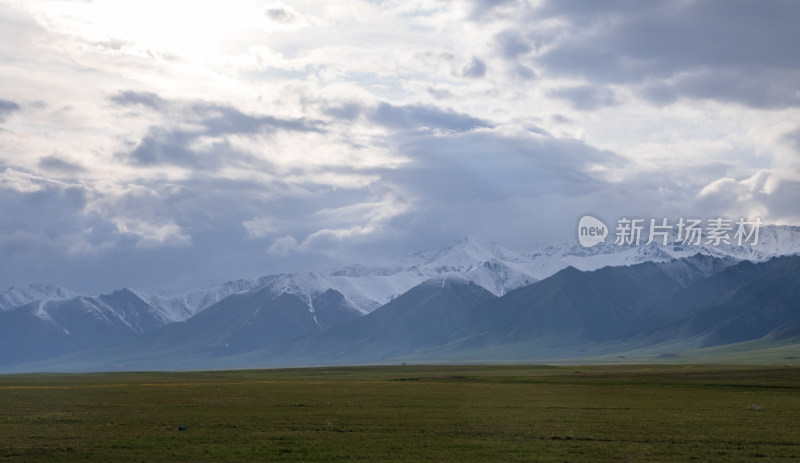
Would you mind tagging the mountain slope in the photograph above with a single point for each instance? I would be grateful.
(179, 307)
(44, 329)
(773, 241)
(572, 307)
(416, 319)
(241, 323)
(643, 300)
(754, 310)
(704, 291)
(19, 296)
(488, 265)
(500, 270)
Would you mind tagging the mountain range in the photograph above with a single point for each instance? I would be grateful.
(466, 302)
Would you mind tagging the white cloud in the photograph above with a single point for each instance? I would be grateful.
(765, 194)
(356, 222)
(259, 227)
(151, 235)
(283, 245)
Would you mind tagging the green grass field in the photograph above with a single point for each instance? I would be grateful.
(407, 413)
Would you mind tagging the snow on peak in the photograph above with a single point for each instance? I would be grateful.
(366, 288)
(17, 296)
(500, 270)
(489, 265)
(773, 241)
(179, 307)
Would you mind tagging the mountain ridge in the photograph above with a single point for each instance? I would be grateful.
(551, 311)
(489, 265)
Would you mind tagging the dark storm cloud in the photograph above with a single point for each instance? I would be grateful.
(586, 97)
(6, 108)
(713, 49)
(59, 165)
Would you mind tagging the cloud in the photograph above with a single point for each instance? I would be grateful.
(586, 97)
(153, 235)
(283, 245)
(484, 10)
(757, 89)
(280, 15)
(43, 222)
(408, 118)
(57, 164)
(475, 69)
(713, 49)
(473, 181)
(493, 166)
(222, 120)
(198, 137)
(259, 227)
(166, 146)
(417, 117)
(794, 139)
(216, 119)
(512, 44)
(132, 98)
(6, 108)
(440, 94)
(252, 145)
(765, 194)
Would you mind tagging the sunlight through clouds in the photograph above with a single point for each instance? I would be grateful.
(278, 133)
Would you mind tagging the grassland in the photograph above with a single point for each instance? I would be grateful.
(407, 413)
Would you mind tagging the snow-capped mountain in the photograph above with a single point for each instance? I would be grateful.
(492, 267)
(489, 265)
(48, 327)
(169, 308)
(179, 307)
(773, 241)
(16, 296)
(242, 315)
(500, 270)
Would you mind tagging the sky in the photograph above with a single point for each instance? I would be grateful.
(175, 145)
